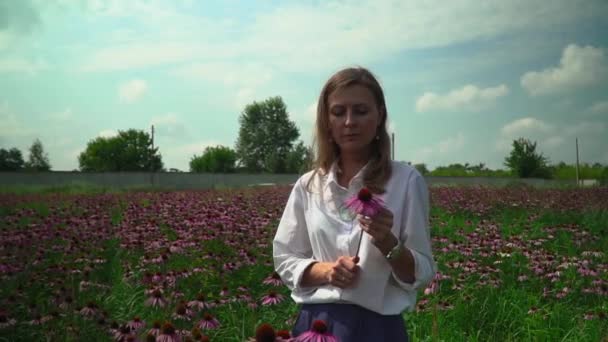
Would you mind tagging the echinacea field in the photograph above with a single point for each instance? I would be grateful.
(515, 264)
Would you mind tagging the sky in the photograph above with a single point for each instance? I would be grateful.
(462, 79)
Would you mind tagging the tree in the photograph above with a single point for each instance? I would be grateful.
(130, 150)
(421, 168)
(214, 159)
(525, 162)
(266, 136)
(11, 160)
(299, 159)
(38, 159)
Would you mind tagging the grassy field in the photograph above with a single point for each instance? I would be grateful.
(515, 264)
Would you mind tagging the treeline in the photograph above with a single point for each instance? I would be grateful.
(268, 143)
(557, 171)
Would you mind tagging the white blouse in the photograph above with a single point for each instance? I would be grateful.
(316, 227)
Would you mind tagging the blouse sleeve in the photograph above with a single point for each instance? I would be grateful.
(291, 248)
(415, 231)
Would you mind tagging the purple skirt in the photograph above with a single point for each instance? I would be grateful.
(352, 323)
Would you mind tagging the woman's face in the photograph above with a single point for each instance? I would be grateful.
(354, 118)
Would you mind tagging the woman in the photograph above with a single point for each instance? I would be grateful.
(360, 288)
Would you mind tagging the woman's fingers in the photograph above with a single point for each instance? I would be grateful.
(344, 272)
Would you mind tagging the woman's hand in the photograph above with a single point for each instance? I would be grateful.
(379, 227)
(343, 273)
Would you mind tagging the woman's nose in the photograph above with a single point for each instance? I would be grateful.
(350, 118)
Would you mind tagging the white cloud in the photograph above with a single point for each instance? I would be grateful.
(243, 97)
(305, 120)
(599, 108)
(549, 137)
(287, 37)
(553, 142)
(169, 125)
(21, 65)
(442, 151)
(11, 125)
(579, 67)
(230, 74)
(528, 127)
(585, 128)
(525, 126)
(132, 91)
(62, 116)
(468, 97)
(107, 133)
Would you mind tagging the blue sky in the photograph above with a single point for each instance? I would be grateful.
(462, 79)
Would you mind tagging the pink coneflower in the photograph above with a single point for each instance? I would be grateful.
(182, 312)
(199, 303)
(224, 292)
(365, 203)
(264, 333)
(156, 299)
(589, 316)
(532, 310)
(136, 324)
(90, 310)
(274, 279)
(272, 298)
(208, 322)
(168, 334)
(67, 302)
(121, 333)
(318, 333)
(155, 331)
(284, 334)
(432, 288)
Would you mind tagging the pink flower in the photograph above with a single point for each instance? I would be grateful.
(90, 310)
(156, 299)
(168, 334)
(208, 322)
(272, 298)
(182, 312)
(318, 333)
(264, 332)
(199, 303)
(155, 331)
(136, 324)
(274, 279)
(365, 203)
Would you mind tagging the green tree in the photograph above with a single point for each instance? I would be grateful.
(38, 159)
(525, 162)
(214, 159)
(11, 160)
(130, 150)
(266, 136)
(299, 159)
(422, 168)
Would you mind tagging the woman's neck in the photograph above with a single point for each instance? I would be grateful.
(349, 165)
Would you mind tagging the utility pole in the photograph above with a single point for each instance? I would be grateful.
(393, 146)
(577, 176)
(151, 159)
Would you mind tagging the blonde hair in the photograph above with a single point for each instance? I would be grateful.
(327, 151)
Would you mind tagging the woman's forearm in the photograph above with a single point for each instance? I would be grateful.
(316, 274)
(403, 265)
